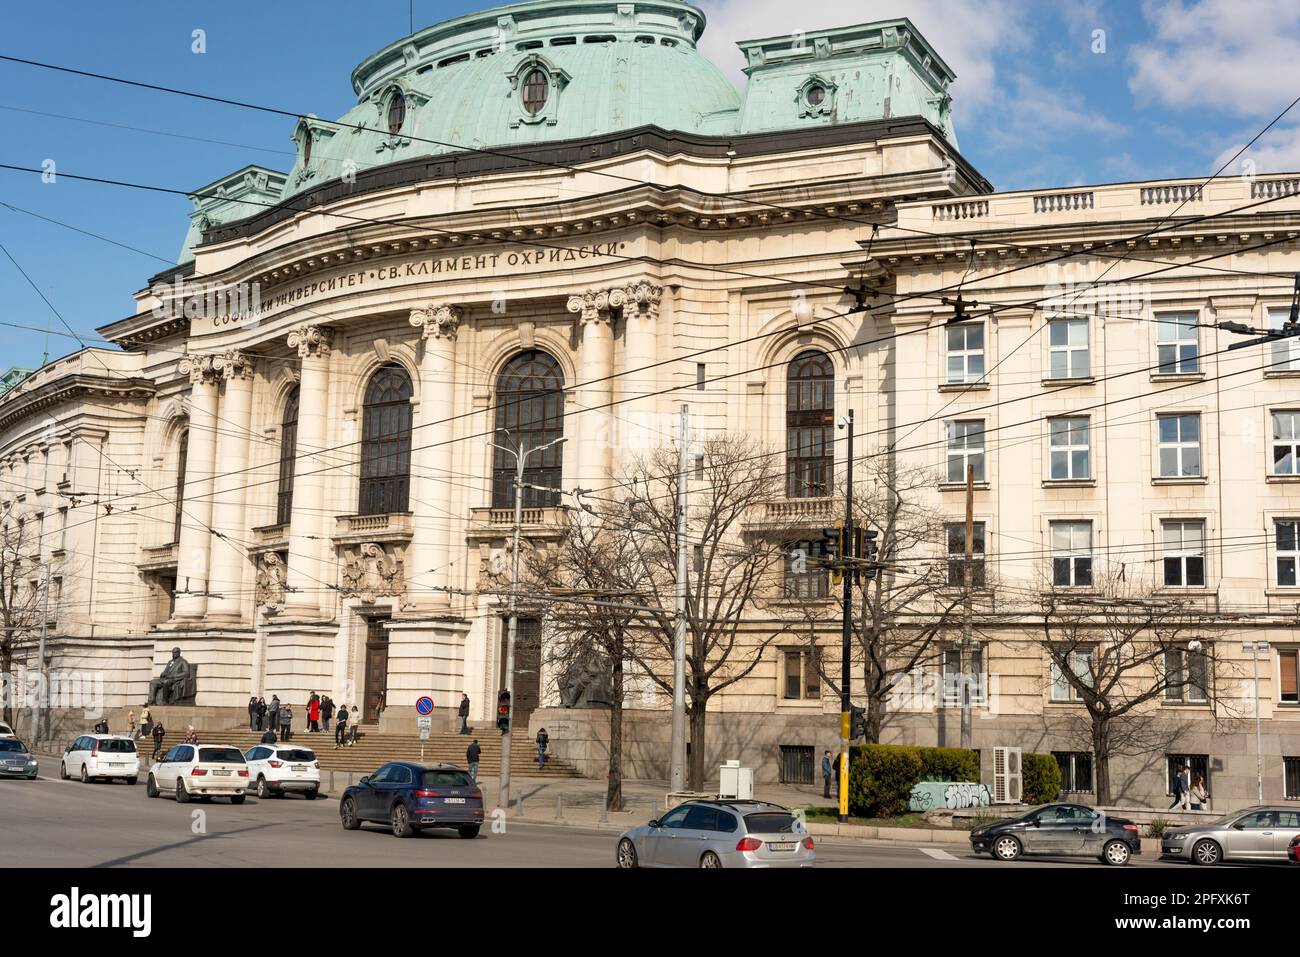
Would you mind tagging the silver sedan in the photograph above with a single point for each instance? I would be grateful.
(1253, 835)
(714, 834)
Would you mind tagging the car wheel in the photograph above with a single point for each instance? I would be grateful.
(150, 787)
(627, 854)
(63, 770)
(263, 789)
(1207, 852)
(710, 861)
(348, 815)
(1006, 848)
(182, 795)
(468, 832)
(1116, 853)
(311, 795)
(237, 798)
(400, 821)
(133, 781)
(85, 778)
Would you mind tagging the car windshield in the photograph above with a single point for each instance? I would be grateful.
(296, 754)
(117, 746)
(220, 756)
(770, 822)
(445, 779)
(11, 744)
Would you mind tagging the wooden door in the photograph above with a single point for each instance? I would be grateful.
(376, 667)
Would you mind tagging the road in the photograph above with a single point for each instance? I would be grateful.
(54, 823)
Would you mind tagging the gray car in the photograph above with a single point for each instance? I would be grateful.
(16, 761)
(1253, 835)
(717, 834)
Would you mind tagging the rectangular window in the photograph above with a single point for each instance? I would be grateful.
(1286, 443)
(965, 354)
(957, 554)
(1287, 540)
(1068, 448)
(1187, 678)
(1071, 554)
(1076, 771)
(1068, 349)
(1184, 553)
(1289, 668)
(800, 680)
(1284, 356)
(1291, 770)
(1179, 452)
(804, 575)
(954, 677)
(699, 376)
(1080, 664)
(1178, 344)
(965, 447)
(1200, 770)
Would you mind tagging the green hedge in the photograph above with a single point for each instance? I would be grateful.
(881, 776)
(1041, 779)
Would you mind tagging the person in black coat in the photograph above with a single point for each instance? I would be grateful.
(463, 713)
(252, 714)
(327, 711)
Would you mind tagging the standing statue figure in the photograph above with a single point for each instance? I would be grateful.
(175, 684)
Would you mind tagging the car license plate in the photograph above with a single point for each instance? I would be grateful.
(453, 800)
(782, 845)
(298, 767)
(222, 774)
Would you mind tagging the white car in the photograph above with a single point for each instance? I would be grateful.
(101, 756)
(281, 768)
(199, 770)
(6, 731)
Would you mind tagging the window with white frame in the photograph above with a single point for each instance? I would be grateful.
(957, 554)
(1187, 676)
(805, 577)
(1067, 349)
(965, 447)
(800, 674)
(1068, 448)
(1079, 662)
(1286, 533)
(1284, 355)
(1076, 771)
(1178, 344)
(1286, 442)
(955, 678)
(1071, 554)
(1184, 553)
(965, 353)
(1179, 445)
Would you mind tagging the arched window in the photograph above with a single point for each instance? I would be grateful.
(536, 88)
(810, 425)
(530, 412)
(182, 454)
(396, 113)
(288, 450)
(386, 443)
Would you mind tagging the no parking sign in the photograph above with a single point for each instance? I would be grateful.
(424, 705)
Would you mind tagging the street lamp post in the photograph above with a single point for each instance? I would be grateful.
(521, 455)
(1255, 647)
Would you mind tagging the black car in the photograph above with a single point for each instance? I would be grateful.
(16, 761)
(409, 796)
(1060, 830)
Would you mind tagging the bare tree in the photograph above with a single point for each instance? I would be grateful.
(23, 582)
(729, 572)
(1119, 652)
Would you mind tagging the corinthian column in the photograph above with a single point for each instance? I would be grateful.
(194, 555)
(227, 603)
(307, 524)
(430, 552)
(594, 309)
(638, 427)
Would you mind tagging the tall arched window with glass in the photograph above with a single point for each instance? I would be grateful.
(288, 451)
(386, 443)
(529, 414)
(182, 455)
(810, 426)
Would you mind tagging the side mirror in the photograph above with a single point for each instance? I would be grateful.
(654, 823)
(1238, 826)
(365, 780)
(1037, 823)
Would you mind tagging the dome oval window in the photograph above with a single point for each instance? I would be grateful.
(306, 149)
(536, 88)
(396, 113)
(816, 95)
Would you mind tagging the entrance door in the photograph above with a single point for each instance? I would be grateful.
(376, 667)
(528, 669)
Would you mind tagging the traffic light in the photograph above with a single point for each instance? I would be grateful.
(503, 712)
(866, 549)
(857, 722)
(833, 553)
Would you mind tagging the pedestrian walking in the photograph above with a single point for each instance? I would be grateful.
(472, 754)
(543, 739)
(463, 713)
(313, 714)
(252, 714)
(286, 722)
(131, 727)
(1182, 789)
(158, 733)
(828, 771)
(146, 722)
(326, 711)
(341, 729)
(1200, 795)
(273, 712)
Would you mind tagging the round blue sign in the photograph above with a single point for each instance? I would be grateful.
(424, 705)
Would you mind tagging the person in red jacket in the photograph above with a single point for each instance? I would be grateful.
(313, 712)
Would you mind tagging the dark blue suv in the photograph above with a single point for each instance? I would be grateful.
(409, 796)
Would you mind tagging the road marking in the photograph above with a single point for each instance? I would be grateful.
(937, 854)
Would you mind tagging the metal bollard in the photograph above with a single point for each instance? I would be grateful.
(559, 807)
(331, 781)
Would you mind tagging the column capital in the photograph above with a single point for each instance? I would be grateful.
(311, 341)
(645, 296)
(438, 320)
(233, 364)
(594, 305)
(202, 369)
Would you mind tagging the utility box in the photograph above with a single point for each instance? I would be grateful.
(735, 783)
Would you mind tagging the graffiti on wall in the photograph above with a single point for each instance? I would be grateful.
(954, 796)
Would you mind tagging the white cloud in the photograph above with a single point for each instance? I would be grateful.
(971, 37)
(1240, 56)
(1276, 152)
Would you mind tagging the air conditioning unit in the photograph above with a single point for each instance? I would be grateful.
(1008, 779)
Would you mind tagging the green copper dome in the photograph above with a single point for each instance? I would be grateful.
(542, 70)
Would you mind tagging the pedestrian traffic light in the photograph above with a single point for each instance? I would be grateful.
(503, 712)
(857, 722)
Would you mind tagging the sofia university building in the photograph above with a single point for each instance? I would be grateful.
(558, 218)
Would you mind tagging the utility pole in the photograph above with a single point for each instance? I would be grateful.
(846, 704)
(1255, 647)
(966, 654)
(521, 463)
(43, 695)
(677, 772)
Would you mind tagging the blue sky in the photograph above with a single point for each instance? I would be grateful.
(1171, 89)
